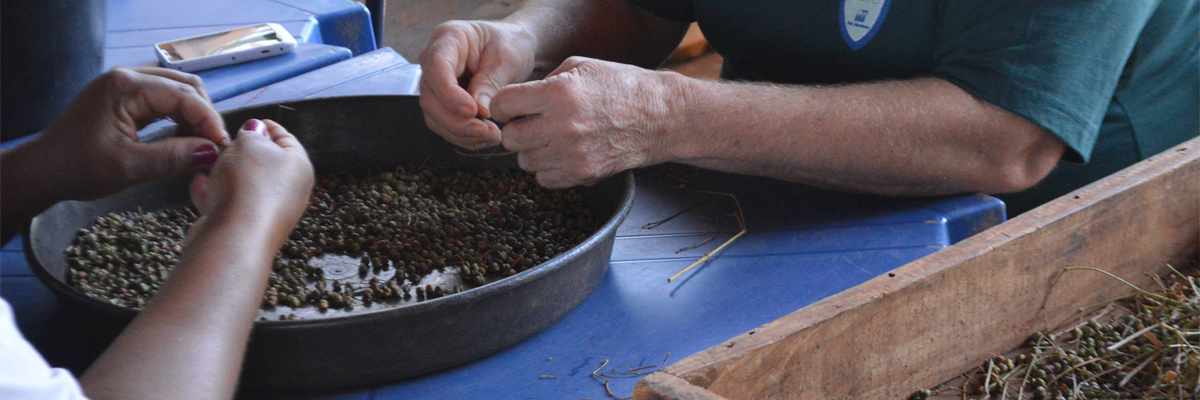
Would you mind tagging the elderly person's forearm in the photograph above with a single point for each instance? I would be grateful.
(914, 137)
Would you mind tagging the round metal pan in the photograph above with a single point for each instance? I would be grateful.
(368, 346)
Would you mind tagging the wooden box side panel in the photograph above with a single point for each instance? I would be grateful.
(947, 312)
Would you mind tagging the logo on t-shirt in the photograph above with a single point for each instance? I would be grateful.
(861, 19)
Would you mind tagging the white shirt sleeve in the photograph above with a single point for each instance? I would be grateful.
(24, 374)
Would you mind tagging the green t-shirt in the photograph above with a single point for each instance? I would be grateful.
(1116, 80)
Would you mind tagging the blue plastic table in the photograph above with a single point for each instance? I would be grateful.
(342, 23)
(803, 245)
(329, 31)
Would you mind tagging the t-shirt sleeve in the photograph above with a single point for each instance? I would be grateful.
(23, 372)
(675, 10)
(1054, 62)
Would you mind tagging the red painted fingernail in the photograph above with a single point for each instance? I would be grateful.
(255, 125)
(204, 156)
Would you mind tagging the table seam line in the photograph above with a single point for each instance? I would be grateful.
(779, 254)
(921, 222)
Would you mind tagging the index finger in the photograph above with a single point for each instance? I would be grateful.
(441, 64)
(163, 96)
(178, 76)
(519, 100)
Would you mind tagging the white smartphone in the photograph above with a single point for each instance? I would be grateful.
(229, 47)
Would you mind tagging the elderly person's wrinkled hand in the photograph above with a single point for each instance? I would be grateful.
(587, 120)
(463, 66)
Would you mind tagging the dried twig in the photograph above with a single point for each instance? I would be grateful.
(1110, 357)
(1130, 338)
(716, 232)
(630, 371)
(1135, 371)
(484, 155)
(706, 256)
(279, 112)
(658, 223)
(741, 218)
(1135, 287)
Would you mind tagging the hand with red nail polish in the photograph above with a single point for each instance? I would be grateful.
(204, 156)
(264, 177)
(249, 201)
(255, 125)
(250, 197)
(92, 149)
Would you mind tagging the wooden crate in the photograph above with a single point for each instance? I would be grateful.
(936, 317)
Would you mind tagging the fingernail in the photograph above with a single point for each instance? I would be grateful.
(466, 110)
(204, 156)
(255, 125)
(477, 130)
(484, 100)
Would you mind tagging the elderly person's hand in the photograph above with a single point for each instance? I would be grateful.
(587, 120)
(463, 66)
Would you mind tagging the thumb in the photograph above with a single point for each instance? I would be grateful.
(171, 156)
(484, 85)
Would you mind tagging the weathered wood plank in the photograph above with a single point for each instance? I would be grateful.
(663, 386)
(945, 313)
